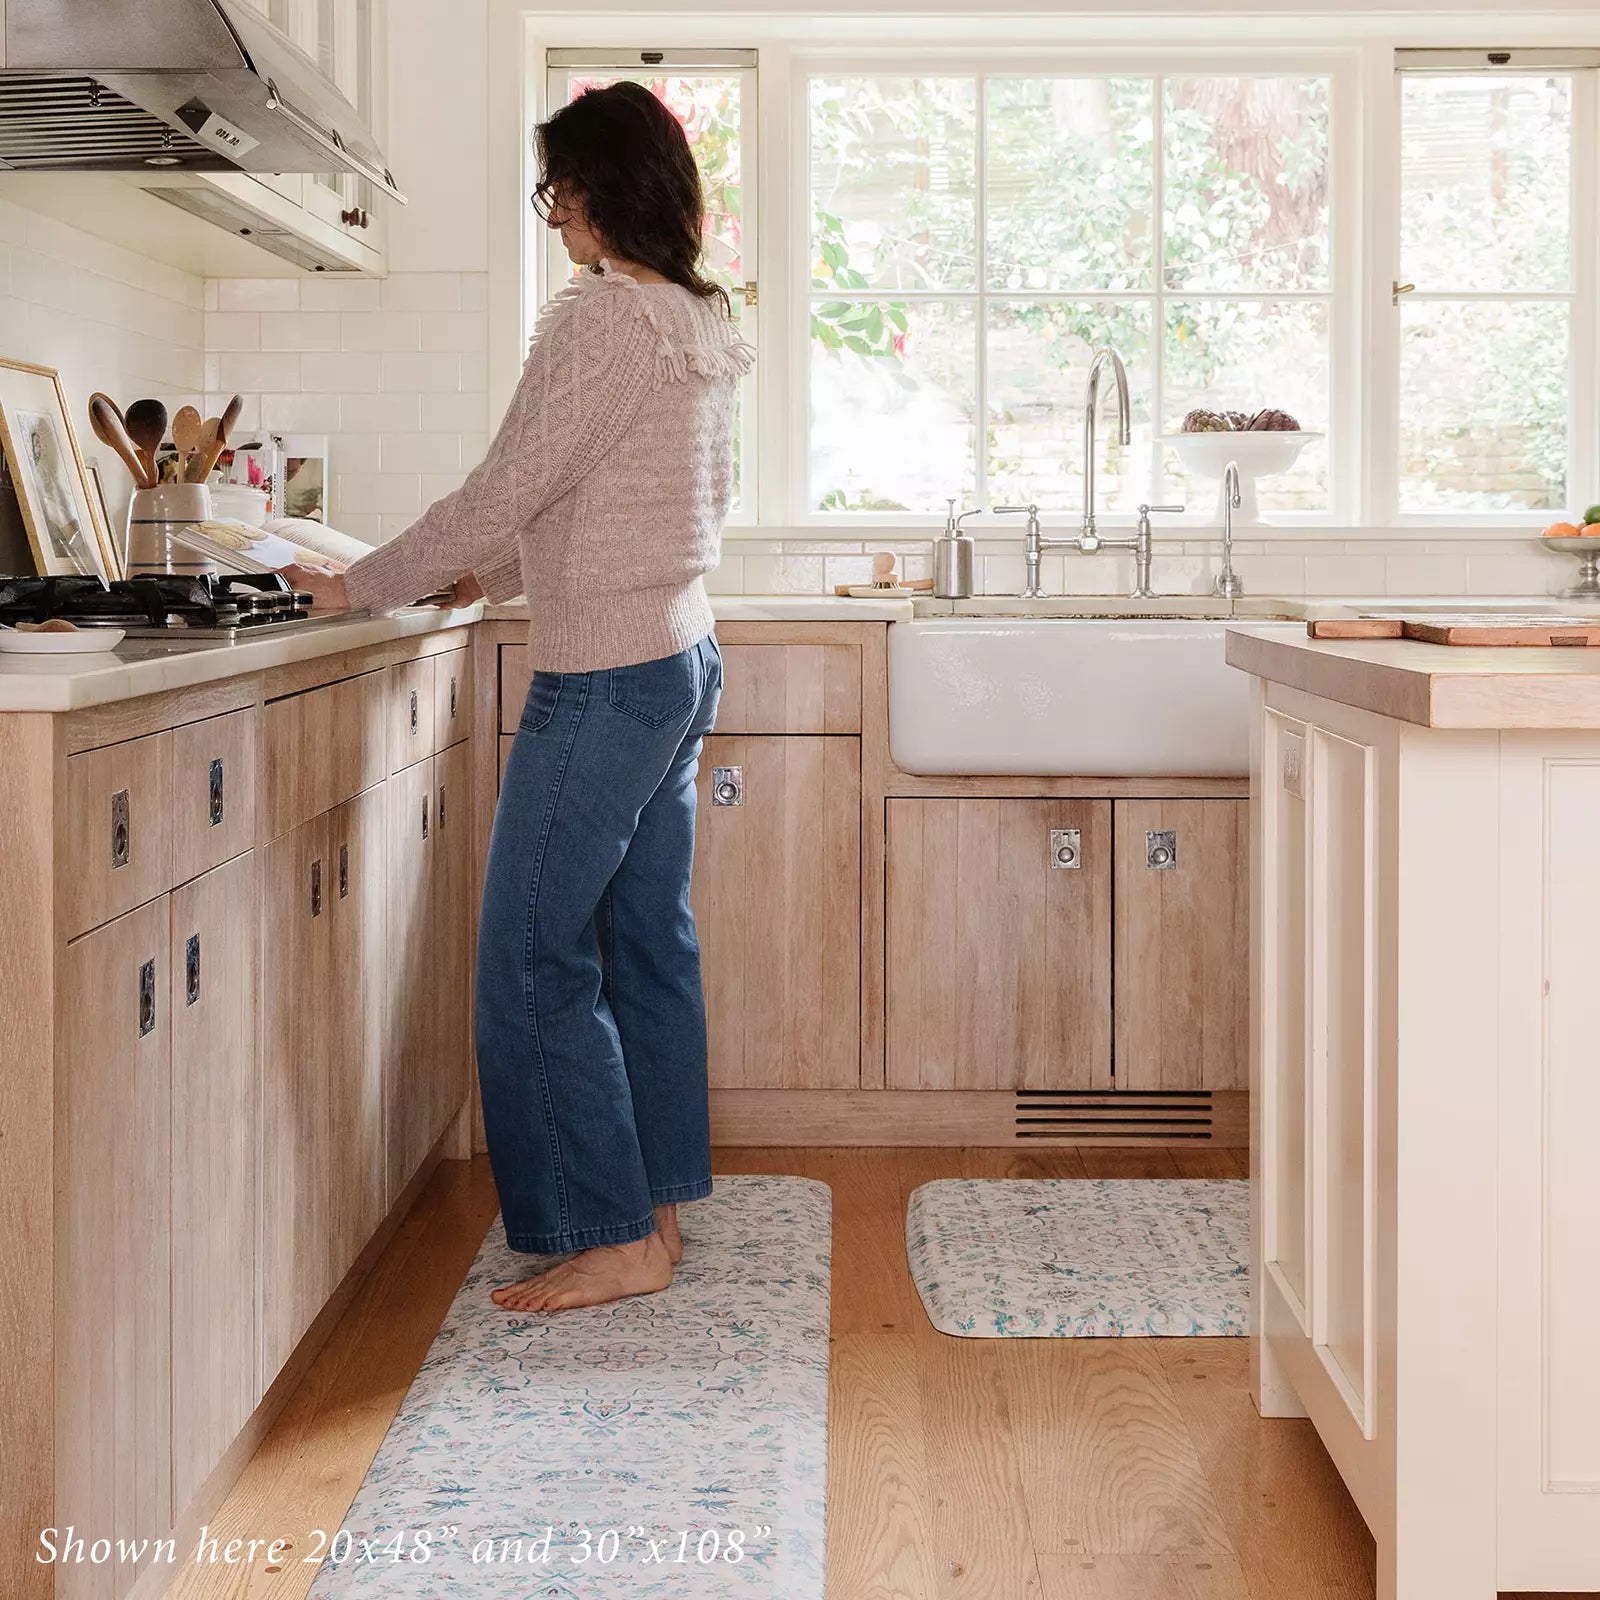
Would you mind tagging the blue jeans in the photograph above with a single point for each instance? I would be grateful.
(591, 1027)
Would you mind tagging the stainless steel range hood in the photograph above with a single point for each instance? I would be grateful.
(202, 85)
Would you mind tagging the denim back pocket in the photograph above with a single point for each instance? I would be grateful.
(657, 693)
(543, 694)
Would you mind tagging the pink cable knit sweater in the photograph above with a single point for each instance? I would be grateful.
(603, 495)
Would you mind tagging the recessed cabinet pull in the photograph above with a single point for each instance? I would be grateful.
(216, 792)
(147, 998)
(727, 786)
(191, 969)
(121, 829)
(452, 698)
(316, 887)
(1066, 849)
(441, 808)
(344, 871)
(414, 718)
(425, 816)
(1161, 850)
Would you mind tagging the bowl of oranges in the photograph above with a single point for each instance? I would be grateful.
(1580, 540)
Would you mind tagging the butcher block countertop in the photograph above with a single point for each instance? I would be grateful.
(1432, 685)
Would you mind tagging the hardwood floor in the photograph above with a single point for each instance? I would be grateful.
(959, 1469)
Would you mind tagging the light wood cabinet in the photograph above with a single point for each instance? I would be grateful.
(113, 1239)
(411, 713)
(353, 1016)
(1182, 944)
(296, 1148)
(998, 934)
(454, 911)
(118, 831)
(410, 943)
(777, 901)
(319, 748)
(213, 792)
(452, 698)
(215, 1121)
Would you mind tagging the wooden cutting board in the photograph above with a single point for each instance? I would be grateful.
(1467, 629)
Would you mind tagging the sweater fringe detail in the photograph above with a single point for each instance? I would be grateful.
(678, 363)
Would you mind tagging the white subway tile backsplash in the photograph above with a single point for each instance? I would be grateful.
(462, 332)
(380, 330)
(475, 291)
(300, 330)
(258, 294)
(356, 452)
(233, 330)
(1419, 575)
(421, 452)
(339, 294)
(303, 413)
(1346, 574)
(430, 373)
(322, 373)
(422, 291)
(728, 578)
(436, 485)
(474, 370)
(383, 413)
(474, 447)
(380, 491)
(783, 574)
(243, 370)
(454, 413)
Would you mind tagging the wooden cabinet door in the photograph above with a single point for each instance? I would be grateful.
(215, 1127)
(777, 900)
(296, 1153)
(113, 1243)
(453, 917)
(353, 1018)
(999, 944)
(1183, 938)
(409, 984)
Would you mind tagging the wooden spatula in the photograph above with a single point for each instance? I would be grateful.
(206, 451)
(146, 422)
(186, 428)
(112, 431)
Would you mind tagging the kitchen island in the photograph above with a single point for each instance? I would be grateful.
(1425, 844)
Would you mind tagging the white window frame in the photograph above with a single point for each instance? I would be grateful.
(1361, 54)
(551, 267)
(1382, 499)
(1339, 66)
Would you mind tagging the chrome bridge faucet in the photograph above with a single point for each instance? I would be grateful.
(1228, 585)
(1087, 540)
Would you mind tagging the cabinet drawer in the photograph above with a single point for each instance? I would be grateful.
(452, 698)
(318, 749)
(790, 688)
(118, 846)
(411, 713)
(213, 792)
(516, 673)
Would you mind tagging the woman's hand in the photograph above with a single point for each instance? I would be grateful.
(326, 589)
(468, 590)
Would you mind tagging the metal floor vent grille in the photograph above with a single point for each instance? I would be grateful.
(49, 122)
(1088, 1116)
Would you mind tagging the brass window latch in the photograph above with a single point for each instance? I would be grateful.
(1396, 289)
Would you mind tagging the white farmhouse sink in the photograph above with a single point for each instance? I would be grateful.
(1068, 696)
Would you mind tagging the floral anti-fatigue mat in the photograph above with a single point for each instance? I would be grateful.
(1004, 1258)
(670, 1445)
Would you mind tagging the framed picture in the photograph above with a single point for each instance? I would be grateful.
(66, 527)
(301, 472)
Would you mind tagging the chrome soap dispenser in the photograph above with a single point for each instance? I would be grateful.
(952, 558)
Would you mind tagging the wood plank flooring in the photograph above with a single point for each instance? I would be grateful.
(959, 1469)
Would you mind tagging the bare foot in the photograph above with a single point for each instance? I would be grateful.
(593, 1278)
(667, 1227)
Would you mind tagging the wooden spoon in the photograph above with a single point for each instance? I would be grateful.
(230, 418)
(112, 432)
(206, 452)
(186, 428)
(146, 422)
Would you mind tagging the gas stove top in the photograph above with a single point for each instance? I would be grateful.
(160, 607)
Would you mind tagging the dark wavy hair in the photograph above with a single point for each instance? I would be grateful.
(624, 157)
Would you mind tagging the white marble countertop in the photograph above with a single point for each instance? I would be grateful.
(151, 666)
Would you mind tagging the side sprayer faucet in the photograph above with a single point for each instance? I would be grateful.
(1228, 586)
(1087, 540)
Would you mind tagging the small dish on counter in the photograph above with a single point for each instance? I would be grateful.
(62, 642)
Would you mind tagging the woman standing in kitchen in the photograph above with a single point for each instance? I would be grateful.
(602, 499)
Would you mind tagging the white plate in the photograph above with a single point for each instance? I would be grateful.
(82, 642)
